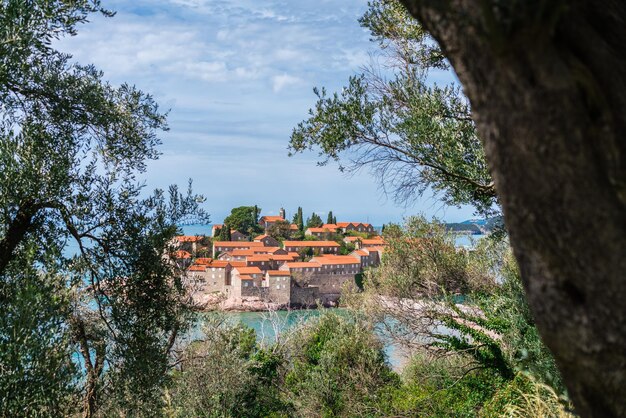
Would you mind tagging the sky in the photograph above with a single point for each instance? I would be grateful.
(237, 77)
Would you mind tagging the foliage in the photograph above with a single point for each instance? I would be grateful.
(38, 375)
(525, 397)
(224, 233)
(298, 219)
(331, 219)
(413, 135)
(226, 375)
(314, 221)
(244, 219)
(429, 294)
(280, 230)
(435, 386)
(345, 247)
(337, 368)
(84, 263)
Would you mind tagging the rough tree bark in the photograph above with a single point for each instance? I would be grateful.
(547, 84)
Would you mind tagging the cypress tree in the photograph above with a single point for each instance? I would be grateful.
(300, 220)
(330, 218)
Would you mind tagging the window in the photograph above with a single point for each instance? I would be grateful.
(277, 286)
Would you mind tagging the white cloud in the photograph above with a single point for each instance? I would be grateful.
(279, 82)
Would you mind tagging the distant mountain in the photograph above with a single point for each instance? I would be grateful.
(475, 226)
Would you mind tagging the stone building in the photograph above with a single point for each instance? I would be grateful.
(321, 247)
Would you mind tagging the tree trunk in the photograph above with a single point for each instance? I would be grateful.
(547, 85)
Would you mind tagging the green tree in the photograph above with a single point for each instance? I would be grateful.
(84, 264)
(280, 230)
(412, 135)
(227, 374)
(330, 219)
(314, 221)
(298, 219)
(256, 214)
(493, 325)
(244, 219)
(338, 368)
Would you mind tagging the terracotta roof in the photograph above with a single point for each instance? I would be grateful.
(203, 260)
(248, 270)
(278, 273)
(293, 254)
(310, 244)
(260, 237)
(188, 238)
(219, 264)
(242, 251)
(351, 239)
(337, 259)
(246, 277)
(373, 241)
(286, 257)
(234, 263)
(182, 254)
(196, 267)
(362, 253)
(330, 226)
(259, 257)
(293, 227)
(237, 244)
(272, 218)
(322, 229)
(343, 224)
(272, 250)
(299, 265)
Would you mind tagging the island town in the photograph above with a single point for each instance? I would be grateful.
(273, 269)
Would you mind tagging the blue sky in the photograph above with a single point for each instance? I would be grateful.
(237, 76)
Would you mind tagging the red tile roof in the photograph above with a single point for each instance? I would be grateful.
(271, 218)
(299, 265)
(310, 244)
(335, 259)
(259, 257)
(248, 270)
(182, 254)
(203, 260)
(320, 230)
(373, 241)
(286, 257)
(246, 277)
(196, 267)
(260, 237)
(237, 244)
(278, 273)
(330, 226)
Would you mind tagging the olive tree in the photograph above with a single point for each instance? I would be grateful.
(412, 134)
(80, 240)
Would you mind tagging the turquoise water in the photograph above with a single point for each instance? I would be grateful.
(268, 324)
